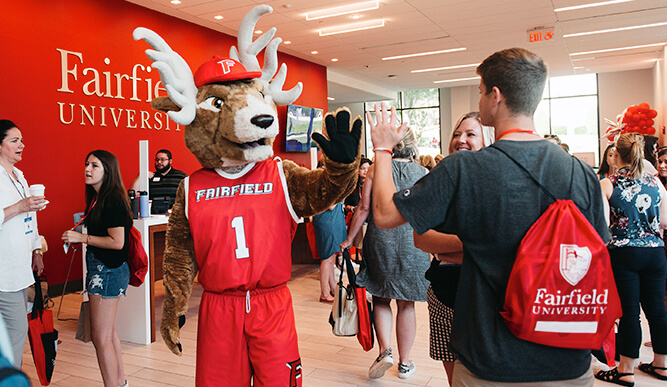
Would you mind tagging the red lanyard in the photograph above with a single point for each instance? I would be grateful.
(84, 218)
(517, 131)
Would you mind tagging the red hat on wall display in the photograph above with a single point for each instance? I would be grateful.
(222, 70)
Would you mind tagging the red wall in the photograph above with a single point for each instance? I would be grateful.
(35, 34)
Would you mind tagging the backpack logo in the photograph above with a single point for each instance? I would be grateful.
(574, 262)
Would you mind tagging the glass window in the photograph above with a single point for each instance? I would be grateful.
(570, 111)
(420, 98)
(421, 110)
(573, 85)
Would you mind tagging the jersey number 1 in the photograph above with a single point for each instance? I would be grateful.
(239, 230)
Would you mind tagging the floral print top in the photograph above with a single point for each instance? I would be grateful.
(634, 211)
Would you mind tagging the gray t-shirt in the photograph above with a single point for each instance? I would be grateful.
(490, 203)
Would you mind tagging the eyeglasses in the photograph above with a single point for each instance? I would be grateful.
(164, 159)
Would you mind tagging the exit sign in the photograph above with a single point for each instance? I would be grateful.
(541, 34)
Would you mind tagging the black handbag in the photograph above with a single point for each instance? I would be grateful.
(444, 281)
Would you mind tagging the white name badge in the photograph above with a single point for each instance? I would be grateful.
(27, 222)
(156, 179)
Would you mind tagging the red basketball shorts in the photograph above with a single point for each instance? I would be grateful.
(243, 335)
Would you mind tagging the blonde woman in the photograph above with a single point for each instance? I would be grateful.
(468, 134)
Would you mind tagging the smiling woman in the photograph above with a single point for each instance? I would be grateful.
(467, 134)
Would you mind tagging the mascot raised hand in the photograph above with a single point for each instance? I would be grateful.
(234, 220)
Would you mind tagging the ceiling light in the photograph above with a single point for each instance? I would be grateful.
(445, 68)
(355, 17)
(617, 49)
(331, 98)
(615, 29)
(590, 5)
(352, 27)
(334, 59)
(218, 17)
(287, 42)
(457, 80)
(343, 10)
(424, 53)
(175, 1)
(258, 32)
(314, 52)
(578, 68)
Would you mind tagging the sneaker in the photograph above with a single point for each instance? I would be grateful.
(406, 370)
(383, 362)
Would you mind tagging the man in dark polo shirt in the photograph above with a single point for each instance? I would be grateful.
(163, 183)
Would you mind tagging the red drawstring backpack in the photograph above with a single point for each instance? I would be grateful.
(561, 291)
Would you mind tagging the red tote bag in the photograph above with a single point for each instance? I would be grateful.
(43, 338)
(138, 259)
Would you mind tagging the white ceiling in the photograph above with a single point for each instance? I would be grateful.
(413, 26)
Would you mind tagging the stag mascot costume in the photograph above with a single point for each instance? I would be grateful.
(234, 219)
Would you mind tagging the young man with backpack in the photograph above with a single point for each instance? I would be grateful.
(489, 201)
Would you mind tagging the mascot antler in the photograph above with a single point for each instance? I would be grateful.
(175, 73)
(247, 55)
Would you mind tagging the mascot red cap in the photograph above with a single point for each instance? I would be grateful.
(222, 70)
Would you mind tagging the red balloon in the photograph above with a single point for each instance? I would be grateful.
(652, 113)
(626, 120)
(642, 117)
(644, 106)
(628, 114)
(635, 117)
(636, 129)
(650, 131)
(633, 109)
(642, 123)
(650, 122)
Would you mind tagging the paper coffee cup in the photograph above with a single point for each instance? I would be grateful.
(37, 190)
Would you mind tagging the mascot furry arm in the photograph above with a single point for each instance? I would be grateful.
(230, 122)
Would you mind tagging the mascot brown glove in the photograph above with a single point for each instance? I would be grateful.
(343, 143)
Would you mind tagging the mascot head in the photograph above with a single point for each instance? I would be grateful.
(229, 107)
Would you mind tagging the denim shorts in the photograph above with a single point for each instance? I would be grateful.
(103, 281)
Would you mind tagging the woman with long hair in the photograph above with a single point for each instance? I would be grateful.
(607, 167)
(392, 266)
(637, 203)
(108, 221)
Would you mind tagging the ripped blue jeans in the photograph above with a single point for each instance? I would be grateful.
(106, 282)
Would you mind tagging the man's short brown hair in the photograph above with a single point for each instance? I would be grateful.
(520, 76)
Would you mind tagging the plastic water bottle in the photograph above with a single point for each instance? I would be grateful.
(144, 211)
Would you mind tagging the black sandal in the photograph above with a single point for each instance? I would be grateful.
(613, 376)
(650, 369)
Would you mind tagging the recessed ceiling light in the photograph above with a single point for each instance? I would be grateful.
(331, 98)
(457, 80)
(590, 5)
(287, 42)
(424, 53)
(258, 32)
(578, 68)
(355, 17)
(314, 52)
(352, 27)
(218, 17)
(445, 68)
(617, 49)
(334, 59)
(344, 10)
(175, 1)
(615, 30)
